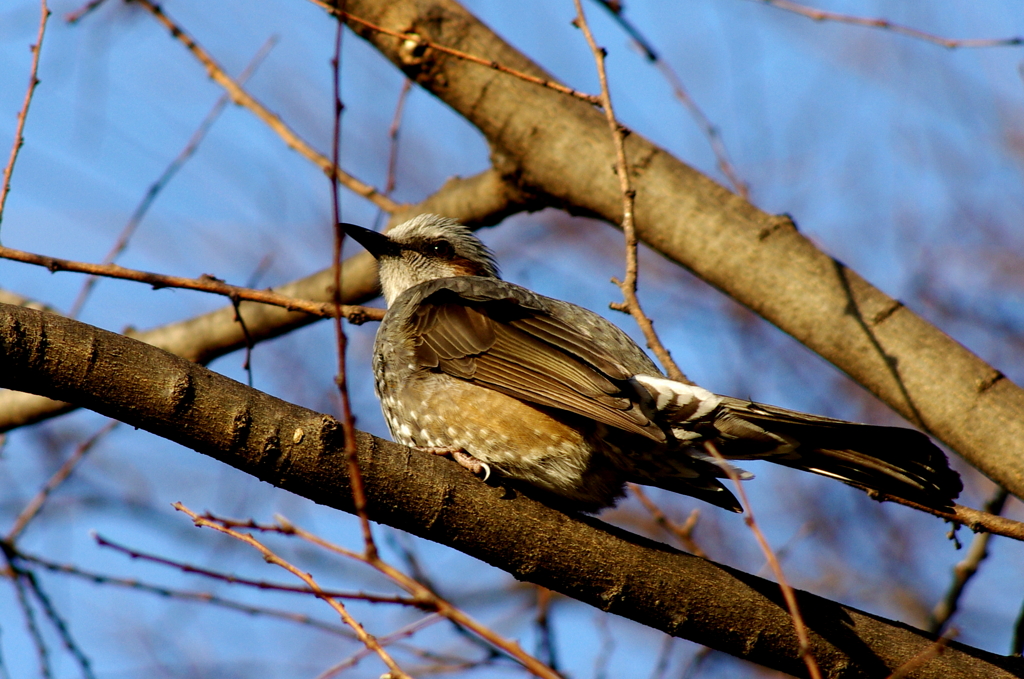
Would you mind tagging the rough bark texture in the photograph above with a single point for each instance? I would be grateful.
(560, 148)
(301, 451)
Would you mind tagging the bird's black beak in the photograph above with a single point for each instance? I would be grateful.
(377, 244)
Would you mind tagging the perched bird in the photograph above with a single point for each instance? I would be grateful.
(544, 392)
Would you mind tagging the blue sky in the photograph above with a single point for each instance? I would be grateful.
(901, 158)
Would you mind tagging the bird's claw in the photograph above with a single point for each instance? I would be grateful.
(462, 457)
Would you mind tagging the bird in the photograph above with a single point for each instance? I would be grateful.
(559, 401)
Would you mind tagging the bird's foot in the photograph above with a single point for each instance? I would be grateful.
(462, 457)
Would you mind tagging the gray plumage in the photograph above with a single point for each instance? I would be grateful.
(548, 393)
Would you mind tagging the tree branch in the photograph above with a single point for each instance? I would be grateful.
(302, 451)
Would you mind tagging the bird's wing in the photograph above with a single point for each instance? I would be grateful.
(499, 342)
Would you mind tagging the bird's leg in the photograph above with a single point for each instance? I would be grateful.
(462, 457)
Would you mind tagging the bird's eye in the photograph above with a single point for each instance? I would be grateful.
(440, 248)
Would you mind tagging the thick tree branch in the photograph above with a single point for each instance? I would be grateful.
(302, 451)
(558, 147)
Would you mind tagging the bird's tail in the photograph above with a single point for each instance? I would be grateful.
(889, 461)
(892, 461)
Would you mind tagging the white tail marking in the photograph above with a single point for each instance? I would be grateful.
(670, 393)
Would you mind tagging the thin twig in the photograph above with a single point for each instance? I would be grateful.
(348, 422)
(77, 15)
(965, 570)
(270, 557)
(30, 623)
(627, 286)
(977, 520)
(243, 98)
(247, 362)
(36, 504)
(419, 592)
(545, 632)
(205, 283)
(696, 661)
(787, 591)
(59, 624)
(664, 657)
(885, 24)
(423, 593)
(396, 126)
(709, 129)
(165, 177)
(256, 584)
(683, 533)
(19, 138)
(606, 644)
(401, 633)
(185, 595)
(929, 653)
(415, 44)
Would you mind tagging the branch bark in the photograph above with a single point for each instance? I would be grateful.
(558, 147)
(303, 451)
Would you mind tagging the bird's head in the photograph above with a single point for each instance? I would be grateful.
(423, 249)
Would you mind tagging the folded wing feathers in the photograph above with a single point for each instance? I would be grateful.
(465, 343)
(559, 335)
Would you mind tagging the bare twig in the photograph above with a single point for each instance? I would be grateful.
(19, 138)
(81, 12)
(396, 126)
(422, 593)
(243, 98)
(664, 657)
(58, 622)
(977, 520)
(787, 591)
(154, 189)
(965, 570)
(885, 24)
(205, 283)
(696, 661)
(30, 622)
(415, 44)
(256, 584)
(425, 596)
(606, 644)
(348, 423)
(186, 595)
(683, 533)
(402, 633)
(710, 130)
(627, 286)
(36, 504)
(545, 633)
(269, 556)
(928, 653)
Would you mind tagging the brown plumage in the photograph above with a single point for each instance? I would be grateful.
(548, 393)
